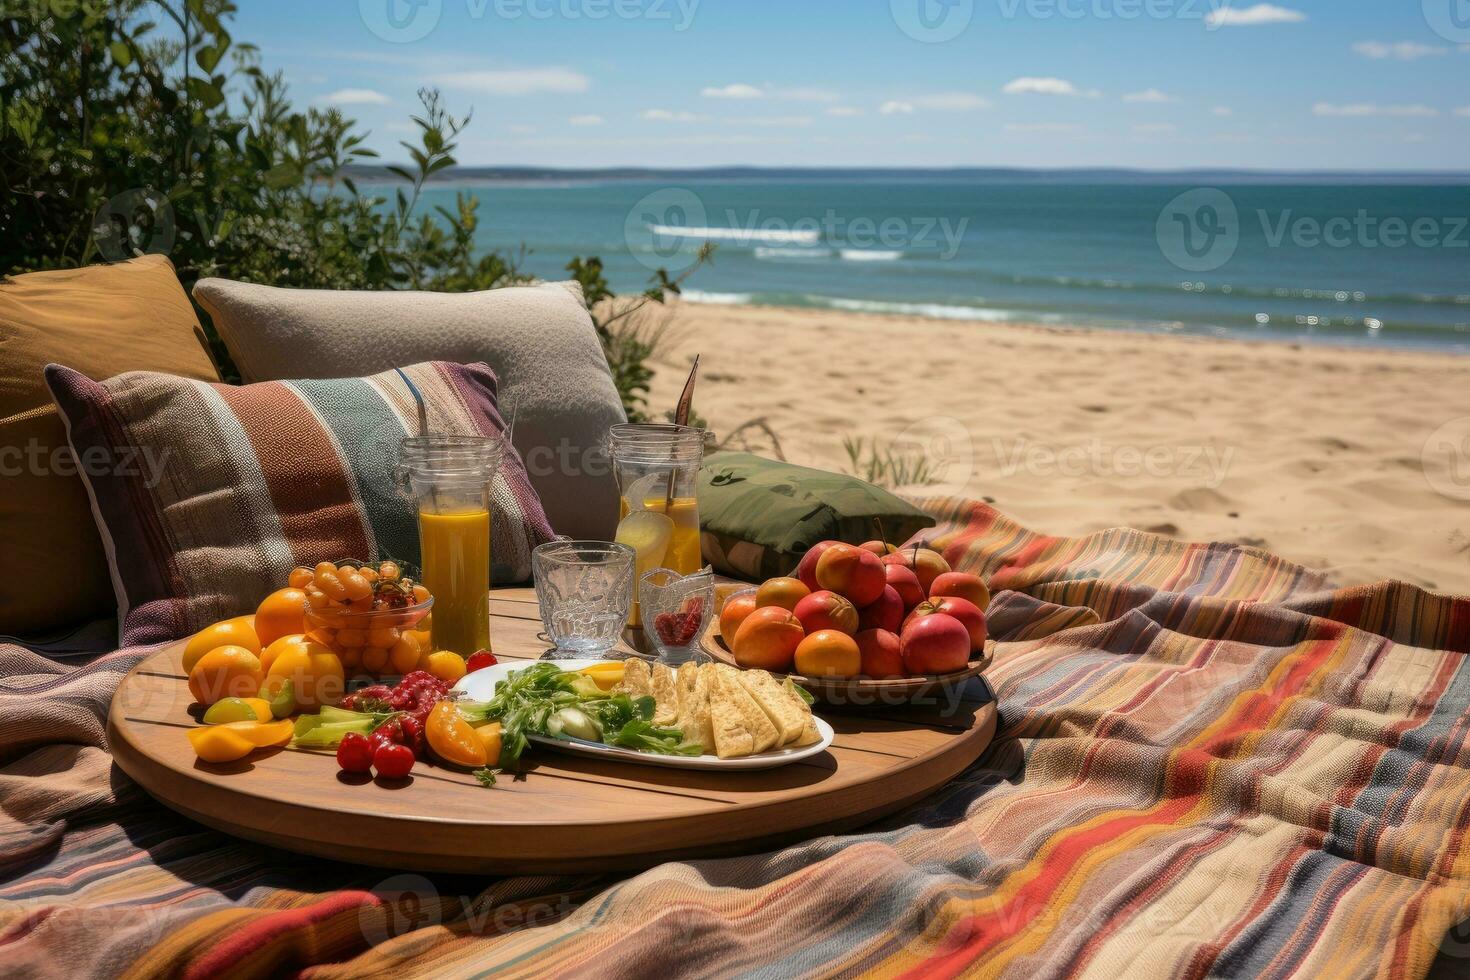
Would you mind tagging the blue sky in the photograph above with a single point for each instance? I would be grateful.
(1342, 84)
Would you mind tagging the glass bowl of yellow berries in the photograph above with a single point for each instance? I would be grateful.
(374, 615)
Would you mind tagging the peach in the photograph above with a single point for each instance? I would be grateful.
(903, 580)
(965, 585)
(852, 573)
(879, 548)
(784, 592)
(934, 644)
(964, 610)
(828, 653)
(734, 613)
(926, 564)
(880, 653)
(827, 611)
(768, 639)
(806, 570)
(885, 614)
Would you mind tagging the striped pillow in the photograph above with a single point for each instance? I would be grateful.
(207, 495)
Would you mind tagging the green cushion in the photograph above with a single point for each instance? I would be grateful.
(759, 516)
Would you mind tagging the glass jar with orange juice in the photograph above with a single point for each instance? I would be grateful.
(449, 477)
(657, 469)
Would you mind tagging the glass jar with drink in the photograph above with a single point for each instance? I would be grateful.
(657, 469)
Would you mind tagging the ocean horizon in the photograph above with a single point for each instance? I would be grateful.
(1380, 259)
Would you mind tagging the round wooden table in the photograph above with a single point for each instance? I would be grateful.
(564, 813)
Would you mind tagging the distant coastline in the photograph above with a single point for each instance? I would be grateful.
(958, 175)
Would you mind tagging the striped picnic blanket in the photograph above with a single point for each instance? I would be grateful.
(1210, 763)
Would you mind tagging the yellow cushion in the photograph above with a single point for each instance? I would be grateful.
(101, 320)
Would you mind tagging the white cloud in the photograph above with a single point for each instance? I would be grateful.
(524, 81)
(1047, 86)
(734, 91)
(1399, 50)
(894, 107)
(1153, 129)
(844, 111)
(1223, 110)
(1463, 110)
(355, 96)
(590, 119)
(1261, 13)
(664, 115)
(949, 101)
(1150, 95)
(1373, 109)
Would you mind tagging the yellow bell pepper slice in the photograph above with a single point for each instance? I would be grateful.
(237, 739)
(606, 675)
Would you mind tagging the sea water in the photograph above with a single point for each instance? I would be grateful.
(1382, 263)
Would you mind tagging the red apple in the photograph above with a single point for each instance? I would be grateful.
(934, 644)
(881, 653)
(852, 573)
(926, 564)
(806, 570)
(903, 580)
(885, 614)
(964, 610)
(879, 548)
(827, 611)
(962, 584)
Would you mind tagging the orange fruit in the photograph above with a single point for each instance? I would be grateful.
(235, 632)
(767, 639)
(446, 665)
(828, 653)
(270, 653)
(315, 672)
(784, 592)
(281, 613)
(225, 672)
(733, 615)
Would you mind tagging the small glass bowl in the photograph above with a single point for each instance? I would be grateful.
(374, 642)
(676, 611)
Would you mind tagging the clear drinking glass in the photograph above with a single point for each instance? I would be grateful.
(657, 468)
(585, 589)
(449, 477)
(676, 610)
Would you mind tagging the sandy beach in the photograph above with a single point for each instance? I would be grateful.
(1316, 453)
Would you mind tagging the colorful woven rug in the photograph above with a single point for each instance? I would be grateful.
(1210, 763)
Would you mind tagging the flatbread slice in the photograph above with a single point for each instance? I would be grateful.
(693, 721)
(775, 701)
(740, 726)
(665, 696)
(809, 734)
(635, 679)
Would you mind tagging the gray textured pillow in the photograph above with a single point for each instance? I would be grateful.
(539, 339)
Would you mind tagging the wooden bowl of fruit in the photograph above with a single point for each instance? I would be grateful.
(861, 625)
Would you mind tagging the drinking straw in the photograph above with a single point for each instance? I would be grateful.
(423, 409)
(681, 418)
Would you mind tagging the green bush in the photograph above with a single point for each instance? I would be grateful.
(130, 126)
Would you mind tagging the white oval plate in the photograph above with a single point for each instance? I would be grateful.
(480, 686)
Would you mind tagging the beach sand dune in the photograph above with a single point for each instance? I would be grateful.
(1316, 453)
